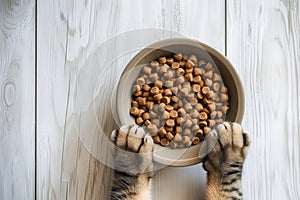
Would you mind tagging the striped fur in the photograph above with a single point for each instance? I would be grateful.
(224, 163)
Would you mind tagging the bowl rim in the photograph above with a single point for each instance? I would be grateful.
(191, 160)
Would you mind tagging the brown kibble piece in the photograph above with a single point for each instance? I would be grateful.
(195, 140)
(203, 116)
(164, 142)
(180, 72)
(147, 122)
(170, 122)
(197, 79)
(166, 100)
(177, 138)
(224, 97)
(139, 121)
(196, 88)
(185, 140)
(134, 104)
(167, 92)
(178, 129)
(209, 74)
(211, 122)
(188, 123)
(170, 61)
(154, 90)
(158, 84)
(224, 89)
(153, 129)
(211, 106)
(154, 63)
(208, 66)
(173, 114)
(134, 111)
(165, 115)
(146, 88)
(175, 65)
(178, 56)
(199, 106)
(169, 108)
(189, 64)
(156, 139)
(169, 136)
(161, 107)
(189, 77)
(169, 129)
(169, 84)
(208, 82)
(157, 97)
(149, 105)
(206, 130)
(146, 116)
(174, 99)
(142, 101)
(205, 90)
(162, 132)
(216, 87)
(174, 90)
(188, 107)
(203, 123)
(140, 81)
(154, 77)
(162, 60)
(193, 58)
(147, 70)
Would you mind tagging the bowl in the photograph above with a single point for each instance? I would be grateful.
(167, 47)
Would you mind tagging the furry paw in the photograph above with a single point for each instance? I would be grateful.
(230, 149)
(133, 152)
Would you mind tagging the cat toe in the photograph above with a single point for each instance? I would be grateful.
(237, 135)
(225, 134)
(148, 145)
(135, 138)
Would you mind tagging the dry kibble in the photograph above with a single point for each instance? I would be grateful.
(154, 77)
(134, 104)
(205, 90)
(173, 114)
(147, 122)
(154, 63)
(178, 56)
(169, 84)
(162, 60)
(165, 115)
(169, 108)
(168, 92)
(188, 123)
(195, 140)
(153, 129)
(180, 72)
(196, 88)
(189, 64)
(208, 66)
(185, 140)
(203, 116)
(162, 132)
(156, 139)
(189, 77)
(147, 70)
(179, 99)
(188, 107)
(166, 100)
(170, 122)
(169, 136)
(170, 61)
(157, 97)
(149, 105)
(206, 130)
(134, 111)
(140, 81)
(146, 116)
(175, 65)
(139, 121)
(164, 142)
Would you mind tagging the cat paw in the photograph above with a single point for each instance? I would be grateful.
(133, 151)
(230, 148)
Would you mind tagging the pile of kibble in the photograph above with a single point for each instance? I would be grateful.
(179, 99)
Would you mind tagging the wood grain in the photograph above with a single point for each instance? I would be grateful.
(68, 34)
(17, 100)
(263, 44)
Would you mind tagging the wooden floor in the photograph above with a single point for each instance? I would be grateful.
(53, 106)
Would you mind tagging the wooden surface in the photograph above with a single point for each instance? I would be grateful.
(261, 38)
(17, 100)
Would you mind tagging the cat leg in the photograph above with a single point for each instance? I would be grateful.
(224, 162)
(133, 164)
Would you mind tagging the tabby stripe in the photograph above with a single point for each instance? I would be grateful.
(233, 189)
(232, 172)
(229, 182)
(236, 165)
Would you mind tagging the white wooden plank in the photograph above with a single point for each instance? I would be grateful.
(68, 32)
(17, 100)
(263, 44)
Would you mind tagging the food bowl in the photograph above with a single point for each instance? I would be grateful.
(166, 155)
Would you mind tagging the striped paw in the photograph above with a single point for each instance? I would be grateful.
(230, 149)
(133, 152)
